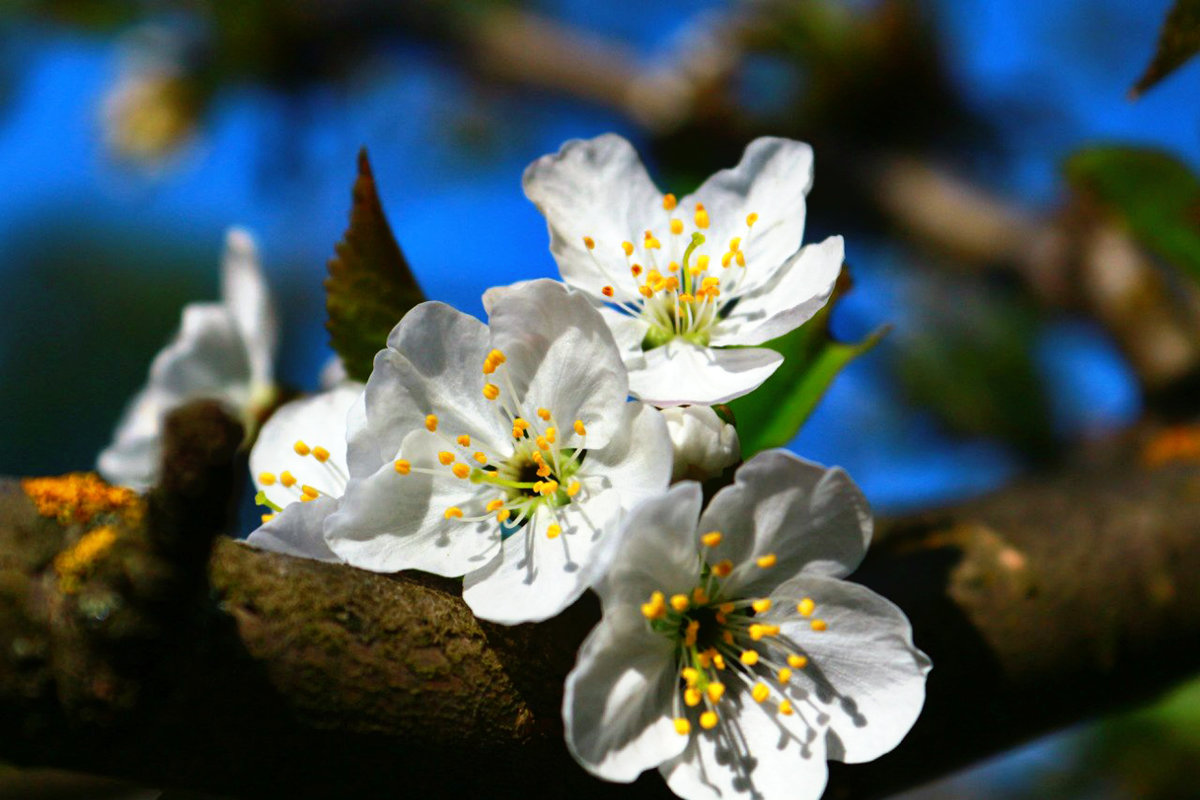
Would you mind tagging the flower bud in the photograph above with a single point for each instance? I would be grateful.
(704, 443)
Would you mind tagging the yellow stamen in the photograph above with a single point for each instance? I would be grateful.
(551, 434)
(267, 518)
(669, 202)
(751, 219)
(266, 478)
(491, 391)
(301, 448)
(636, 270)
(749, 657)
(683, 727)
(544, 413)
(320, 454)
(699, 596)
(785, 675)
(461, 470)
(690, 675)
(573, 488)
(703, 659)
(402, 466)
(589, 243)
(464, 440)
(542, 443)
(715, 692)
(676, 226)
(656, 608)
(446, 457)
(480, 457)
(692, 697)
(553, 531)
(797, 662)
(767, 561)
(627, 247)
(722, 568)
(497, 356)
(679, 602)
(819, 625)
(309, 490)
(689, 638)
(711, 539)
(503, 514)
(431, 422)
(785, 707)
(494, 505)
(453, 512)
(806, 606)
(708, 720)
(701, 216)
(718, 661)
(543, 471)
(760, 692)
(287, 479)
(761, 606)
(607, 291)
(701, 264)
(579, 429)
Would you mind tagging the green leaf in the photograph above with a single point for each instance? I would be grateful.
(370, 286)
(1178, 41)
(772, 414)
(1153, 194)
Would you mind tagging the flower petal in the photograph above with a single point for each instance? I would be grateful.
(535, 577)
(750, 754)
(636, 461)
(811, 518)
(298, 531)
(597, 188)
(800, 289)
(389, 522)
(560, 353)
(863, 670)
(681, 373)
(771, 180)
(617, 704)
(245, 293)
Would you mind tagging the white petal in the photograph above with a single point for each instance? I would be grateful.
(561, 354)
(771, 180)
(750, 754)
(655, 550)
(617, 704)
(319, 420)
(809, 517)
(636, 461)
(800, 289)
(535, 577)
(598, 188)
(681, 373)
(864, 671)
(245, 293)
(333, 373)
(389, 522)
(628, 332)
(704, 444)
(297, 531)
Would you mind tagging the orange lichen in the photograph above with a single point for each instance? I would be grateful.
(74, 562)
(81, 497)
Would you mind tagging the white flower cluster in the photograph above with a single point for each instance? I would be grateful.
(731, 654)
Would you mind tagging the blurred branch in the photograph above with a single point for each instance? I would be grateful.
(1041, 605)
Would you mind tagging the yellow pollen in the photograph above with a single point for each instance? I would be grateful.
(301, 448)
(734, 244)
(589, 243)
(797, 662)
(431, 422)
(543, 471)
(690, 675)
(710, 282)
(699, 596)
(819, 625)
(692, 697)
(287, 479)
(497, 356)
(727, 637)
(757, 632)
(683, 727)
(627, 247)
(636, 269)
(669, 202)
(489, 366)
(718, 661)
(760, 692)
(503, 514)
(749, 657)
(520, 424)
(446, 457)
(553, 531)
(722, 568)
(711, 539)
(651, 243)
(701, 263)
(320, 454)
(708, 720)
(544, 413)
(464, 440)
(309, 490)
(751, 219)
(726, 608)
(653, 276)
(679, 602)
(762, 605)
(741, 258)
(491, 391)
(307, 498)
(686, 298)
(579, 428)
(267, 518)
(767, 561)
(573, 488)
(785, 675)
(701, 216)
(551, 434)
(725, 259)
(785, 707)
(656, 608)
(537, 486)
(703, 659)
(689, 637)
(806, 606)
(480, 457)
(542, 443)
(549, 488)
(715, 691)
(453, 512)
(266, 478)
(402, 466)
(607, 291)
(494, 505)
(673, 266)
(676, 226)
(461, 470)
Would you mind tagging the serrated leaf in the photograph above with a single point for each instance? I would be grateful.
(772, 414)
(370, 286)
(1154, 195)
(1178, 41)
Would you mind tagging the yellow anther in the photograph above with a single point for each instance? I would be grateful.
(573, 488)
(819, 625)
(760, 692)
(669, 202)
(461, 470)
(307, 498)
(431, 422)
(543, 470)
(708, 720)
(607, 291)
(549, 488)
(267, 518)
(806, 606)
(673, 266)
(287, 479)
(320, 454)
(710, 282)
(680, 602)
(636, 270)
(579, 428)
(627, 247)
(655, 608)
(646, 292)
(543, 443)
(301, 448)
(497, 356)
(751, 219)
(797, 662)
(785, 707)
(676, 226)
(701, 264)
(402, 466)
(481, 457)
(651, 243)
(785, 675)
(692, 697)
(762, 605)
(553, 531)
(703, 659)
(544, 413)
(715, 692)
(727, 637)
(722, 568)
(767, 561)
(309, 490)
(519, 424)
(734, 244)
(689, 638)
(711, 539)
(653, 276)
(489, 366)
(757, 632)
(672, 283)
(464, 440)
(551, 434)
(726, 259)
(718, 661)
(701, 216)
(266, 478)
(589, 243)
(686, 298)
(453, 512)
(659, 285)
(741, 258)
(726, 608)
(491, 391)
(537, 486)
(699, 596)
(690, 675)
(503, 514)
(749, 657)
(683, 727)
(720, 618)
(446, 457)
(494, 505)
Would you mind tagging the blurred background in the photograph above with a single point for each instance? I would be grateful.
(980, 158)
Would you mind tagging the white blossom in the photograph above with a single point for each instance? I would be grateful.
(222, 351)
(704, 443)
(730, 654)
(505, 452)
(687, 284)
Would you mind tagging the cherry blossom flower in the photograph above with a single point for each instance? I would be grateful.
(223, 351)
(686, 284)
(504, 452)
(731, 654)
(704, 443)
(299, 467)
